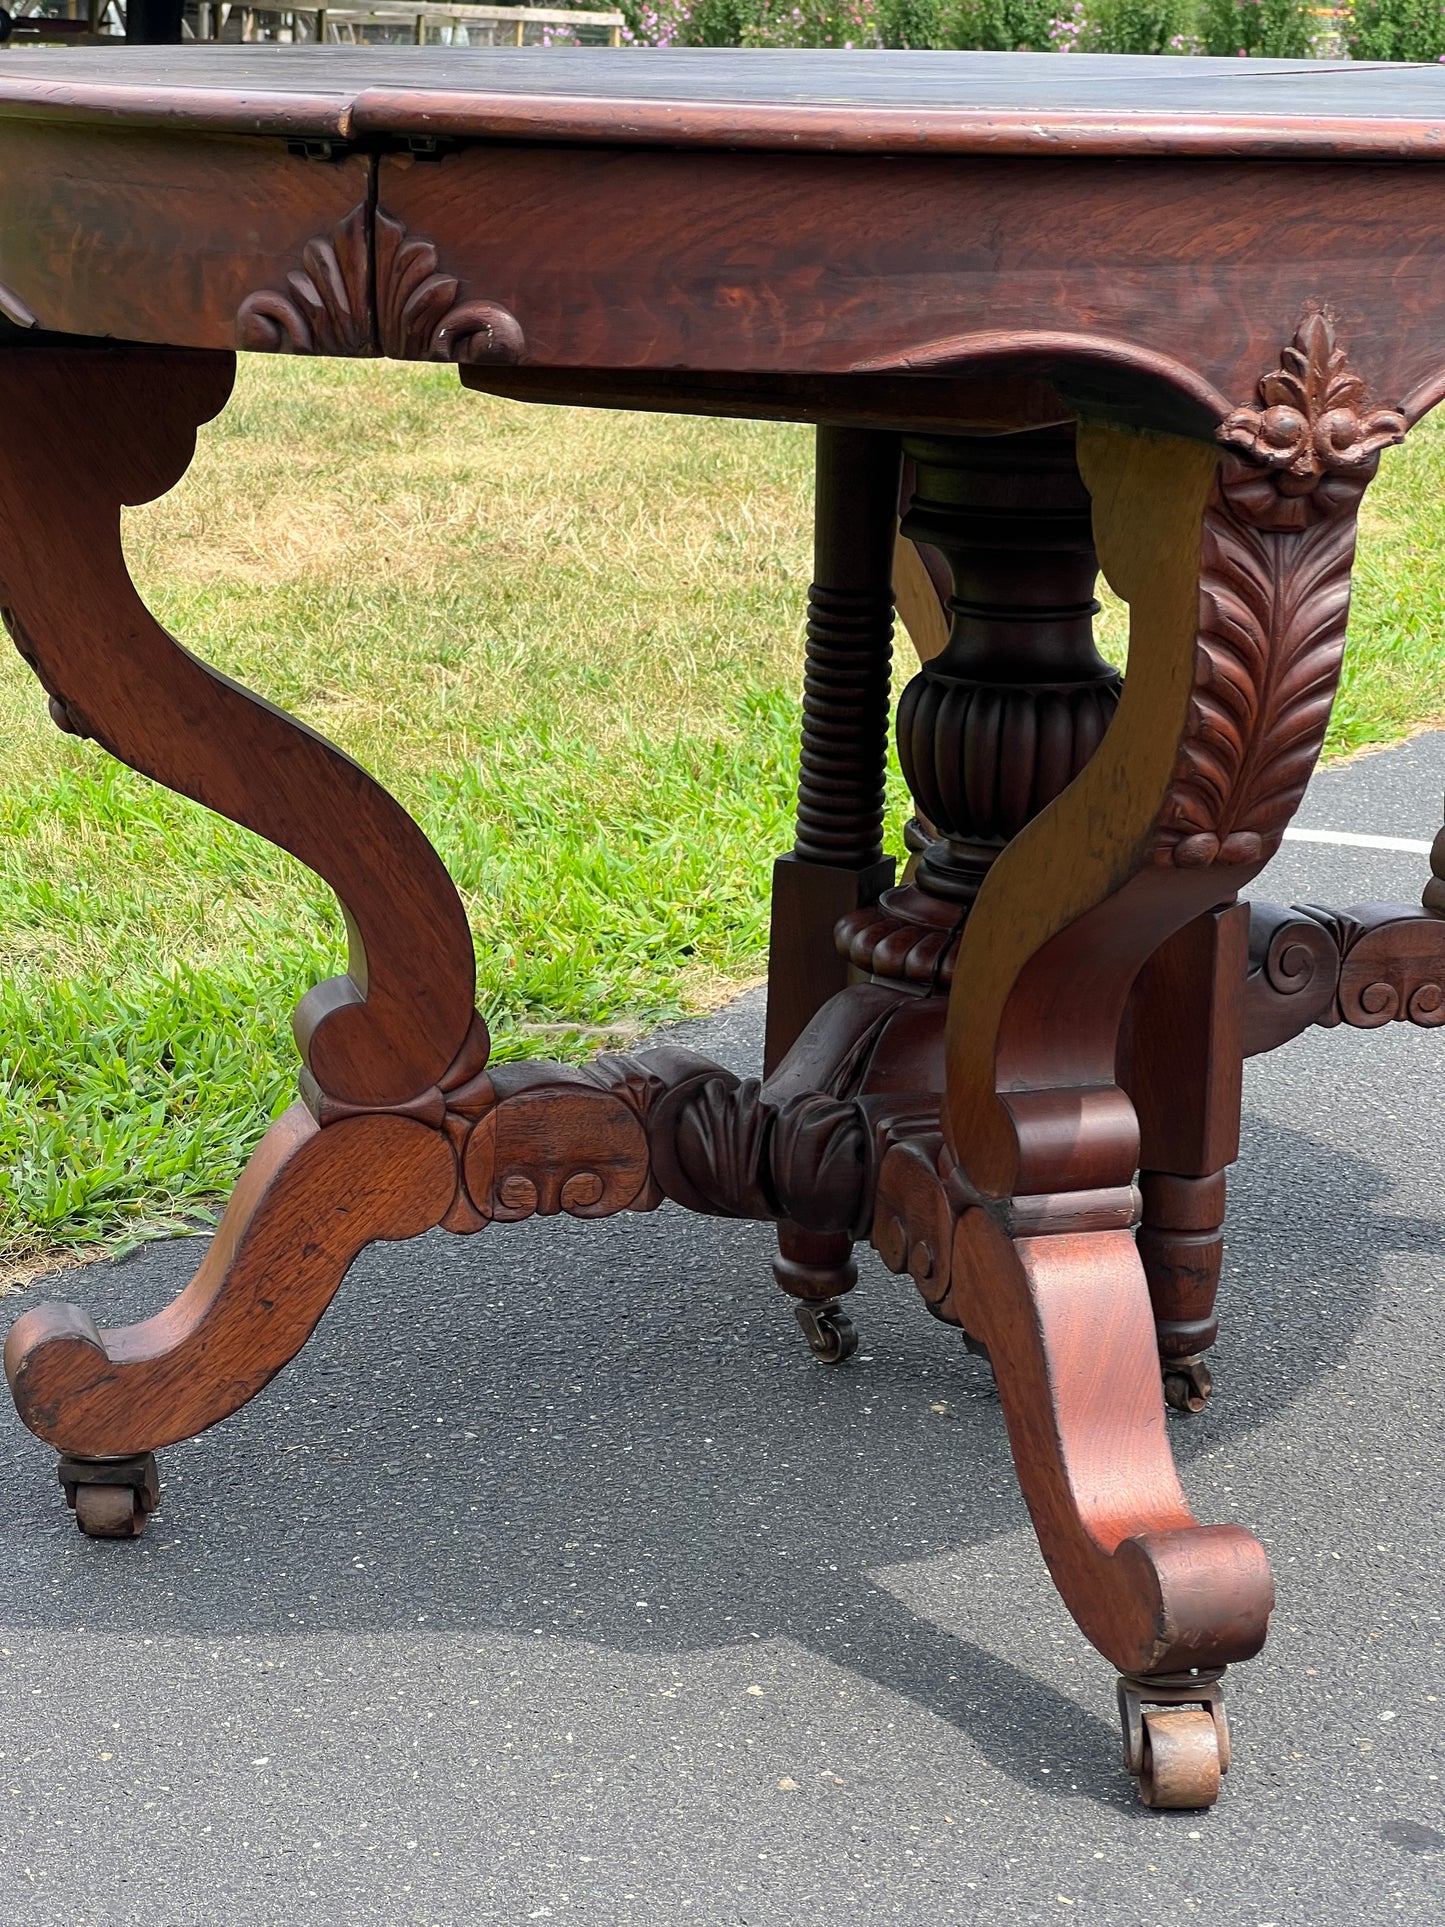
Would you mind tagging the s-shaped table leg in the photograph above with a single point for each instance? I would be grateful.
(1238, 593)
(86, 431)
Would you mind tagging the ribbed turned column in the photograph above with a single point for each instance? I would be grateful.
(837, 861)
(845, 726)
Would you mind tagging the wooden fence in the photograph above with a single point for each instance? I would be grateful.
(426, 22)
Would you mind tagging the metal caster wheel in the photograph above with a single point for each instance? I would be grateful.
(1181, 1759)
(1187, 1384)
(828, 1330)
(1176, 1738)
(111, 1498)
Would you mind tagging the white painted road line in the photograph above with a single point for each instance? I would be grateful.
(1357, 841)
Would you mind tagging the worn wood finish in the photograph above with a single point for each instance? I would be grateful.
(309, 1202)
(919, 264)
(88, 238)
(788, 101)
(1151, 274)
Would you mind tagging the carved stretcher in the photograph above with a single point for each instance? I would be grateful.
(1116, 333)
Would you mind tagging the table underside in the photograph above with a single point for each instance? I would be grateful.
(1015, 1070)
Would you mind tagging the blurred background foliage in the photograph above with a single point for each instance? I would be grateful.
(1275, 29)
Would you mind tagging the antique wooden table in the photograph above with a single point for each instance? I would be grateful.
(1154, 317)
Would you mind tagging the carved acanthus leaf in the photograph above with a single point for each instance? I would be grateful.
(420, 316)
(1272, 611)
(1277, 546)
(325, 307)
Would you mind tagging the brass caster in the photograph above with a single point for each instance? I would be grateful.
(828, 1330)
(1176, 1737)
(1187, 1384)
(111, 1498)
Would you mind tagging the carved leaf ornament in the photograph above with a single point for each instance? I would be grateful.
(1314, 426)
(325, 307)
(1277, 547)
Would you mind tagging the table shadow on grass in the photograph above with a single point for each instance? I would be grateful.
(535, 1430)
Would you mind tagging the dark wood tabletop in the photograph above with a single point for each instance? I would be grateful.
(958, 102)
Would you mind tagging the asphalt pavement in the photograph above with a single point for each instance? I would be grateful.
(556, 1581)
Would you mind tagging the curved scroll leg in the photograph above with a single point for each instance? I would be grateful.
(84, 431)
(308, 1202)
(1238, 594)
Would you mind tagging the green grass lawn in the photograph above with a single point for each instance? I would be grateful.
(569, 642)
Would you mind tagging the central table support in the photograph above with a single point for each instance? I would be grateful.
(951, 1074)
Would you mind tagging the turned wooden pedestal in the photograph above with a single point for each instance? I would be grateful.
(1057, 339)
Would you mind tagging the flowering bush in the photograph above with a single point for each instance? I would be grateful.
(1002, 26)
(914, 23)
(814, 23)
(1274, 29)
(1395, 30)
(1278, 29)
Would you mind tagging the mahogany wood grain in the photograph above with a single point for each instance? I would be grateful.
(938, 403)
(309, 1201)
(1186, 272)
(1069, 1332)
(92, 216)
(1182, 1056)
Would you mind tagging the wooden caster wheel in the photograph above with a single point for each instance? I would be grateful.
(1176, 1737)
(1181, 1758)
(828, 1330)
(1187, 1384)
(112, 1498)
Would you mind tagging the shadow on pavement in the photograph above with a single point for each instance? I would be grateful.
(613, 1434)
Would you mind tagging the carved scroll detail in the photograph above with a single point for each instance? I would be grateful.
(419, 315)
(1373, 964)
(1392, 965)
(623, 1132)
(326, 307)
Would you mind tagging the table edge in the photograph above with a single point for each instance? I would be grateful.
(377, 114)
